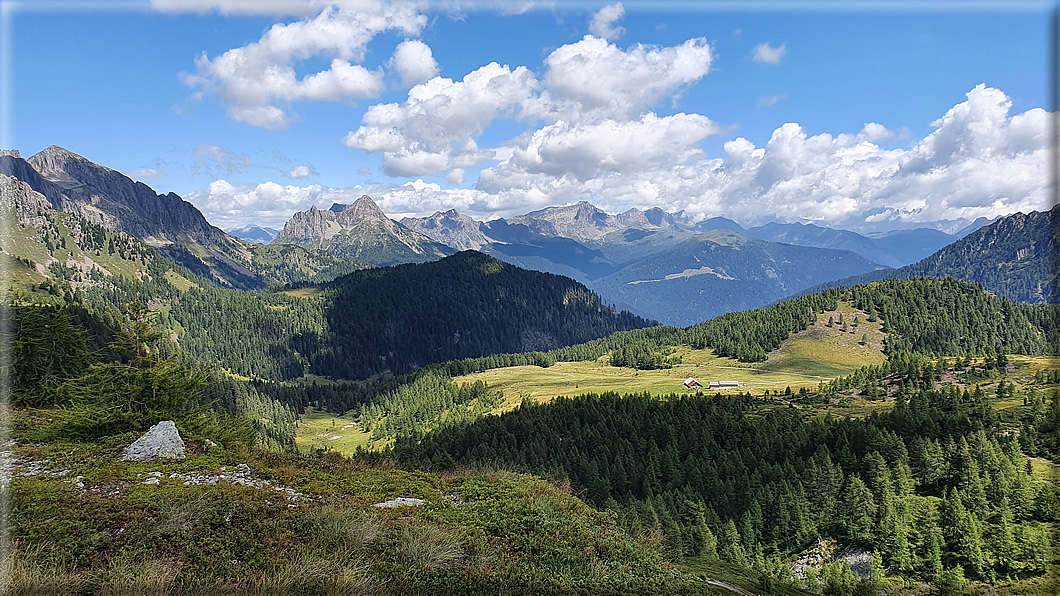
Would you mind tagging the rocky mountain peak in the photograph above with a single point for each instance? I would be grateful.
(361, 232)
(56, 159)
(170, 224)
(450, 228)
(362, 208)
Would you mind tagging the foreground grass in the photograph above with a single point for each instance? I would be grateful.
(89, 523)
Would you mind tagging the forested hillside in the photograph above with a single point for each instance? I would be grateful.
(937, 487)
(468, 305)
(387, 320)
(113, 371)
(1015, 257)
(230, 516)
(948, 317)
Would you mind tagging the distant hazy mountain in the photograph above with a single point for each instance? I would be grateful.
(721, 271)
(1015, 257)
(583, 221)
(975, 225)
(532, 244)
(254, 234)
(909, 246)
(646, 261)
(361, 232)
(718, 223)
(450, 228)
(812, 235)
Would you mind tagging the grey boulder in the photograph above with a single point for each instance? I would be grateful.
(161, 441)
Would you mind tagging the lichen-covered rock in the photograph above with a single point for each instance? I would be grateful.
(161, 441)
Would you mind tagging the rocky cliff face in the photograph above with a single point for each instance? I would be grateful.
(450, 228)
(134, 206)
(361, 232)
(585, 222)
(170, 224)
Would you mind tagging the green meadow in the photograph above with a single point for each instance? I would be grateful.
(808, 358)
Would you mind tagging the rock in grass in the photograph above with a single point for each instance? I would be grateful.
(161, 441)
(401, 502)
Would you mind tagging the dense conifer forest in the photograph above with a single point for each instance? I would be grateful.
(375, 321)
(936, 487)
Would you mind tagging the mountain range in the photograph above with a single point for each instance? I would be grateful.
(657, 264)
(56, 181)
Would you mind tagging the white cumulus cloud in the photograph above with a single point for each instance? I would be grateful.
(603, 22)
(586, 151)
(436, 128)
(302, 171)
(600, 77)
(258, 81)
(414, 61)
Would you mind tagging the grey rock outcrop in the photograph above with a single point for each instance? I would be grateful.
(161, 441)
(361, 232)
(451, 229)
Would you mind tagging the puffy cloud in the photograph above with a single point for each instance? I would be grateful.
(979, 161)
(302, 171)
(585, 151)
(589, 82)
(607, 81)
(603, 22)
(258, 80)
(228, 205)
(414, 61)
(873, 131)
(435, 129)
(764, 52)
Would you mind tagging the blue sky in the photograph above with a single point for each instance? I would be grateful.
(253, 110)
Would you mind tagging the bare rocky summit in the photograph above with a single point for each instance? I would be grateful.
(450, 228)
(361, 232)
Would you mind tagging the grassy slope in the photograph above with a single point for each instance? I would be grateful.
(323, 430)
(26, 242)
(97, 527)
(804, 360)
